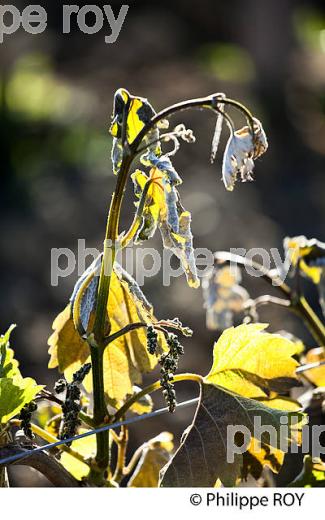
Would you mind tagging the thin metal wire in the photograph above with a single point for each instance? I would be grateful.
(132, 420)
(309, 366)
(161, 411)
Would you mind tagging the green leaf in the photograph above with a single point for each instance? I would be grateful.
(202, 456)
(253, 362)
(14, 394)
(156, 453)
(8, 365)
(15, 391)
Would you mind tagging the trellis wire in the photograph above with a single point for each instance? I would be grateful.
(131, 420)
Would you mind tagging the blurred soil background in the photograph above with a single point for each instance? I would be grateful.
(56, 177)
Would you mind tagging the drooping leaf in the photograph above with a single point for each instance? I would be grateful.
(312, 475)
(126, 358)
(163, 209)
(223, 297)
(217, 131)
(155, 454)
(204, 455)
(181, 244)
(241, 150)
(253, 362)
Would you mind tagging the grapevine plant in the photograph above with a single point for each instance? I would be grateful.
(107, 336)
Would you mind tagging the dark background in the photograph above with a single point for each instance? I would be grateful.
(56, 179)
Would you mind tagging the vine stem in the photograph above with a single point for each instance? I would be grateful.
(101, 328)
(153, 388)
(121, 454)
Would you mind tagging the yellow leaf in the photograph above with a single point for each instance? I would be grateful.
(126, 358)
(156, 453)
(259, 455)
(308, 254)
(252, 362)
(139, 113)
(85, 447)
(66, 345)
(316, 375)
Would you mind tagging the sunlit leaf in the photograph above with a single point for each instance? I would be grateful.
(8, 365)
(203, 457)
(316, 375)
(14, 394)
(126, 358)
(253, 362)
(66, 345)
(156, 453)
(15, 391)
(85, 447)
(136, 112)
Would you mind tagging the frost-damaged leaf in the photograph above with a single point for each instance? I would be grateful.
(125, 359)
(217, 131)
(181, 244)
(312, 475)
(252, 362)
(202, 456)
(223, 297)
(241, 150)
(163, 209)
(137, 112)
(15, 391)
(308, 256)
(156, 453)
